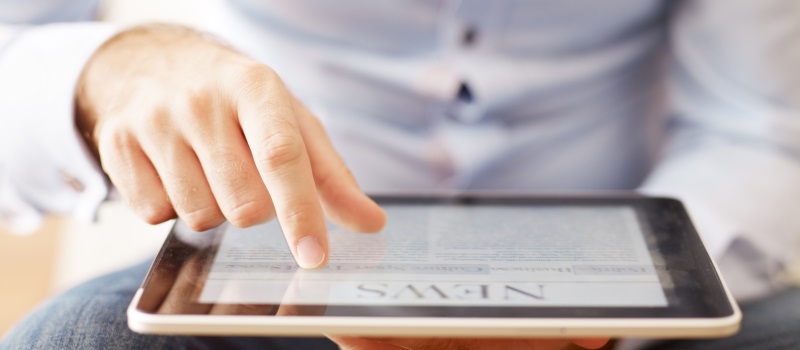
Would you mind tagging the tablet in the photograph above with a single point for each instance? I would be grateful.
(451, 266)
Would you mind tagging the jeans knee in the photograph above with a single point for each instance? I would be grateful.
(91, 315)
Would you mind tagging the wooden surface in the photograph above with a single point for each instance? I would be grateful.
(26, 270)
(65, 253)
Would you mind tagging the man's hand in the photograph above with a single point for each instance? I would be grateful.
(186, 126)
(350, 343)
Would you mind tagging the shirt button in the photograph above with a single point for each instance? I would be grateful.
(464, 93)
(469, 36)
(463, 109)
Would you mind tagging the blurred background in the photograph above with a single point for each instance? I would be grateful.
(64, 253)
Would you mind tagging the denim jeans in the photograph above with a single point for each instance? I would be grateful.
(92, 316)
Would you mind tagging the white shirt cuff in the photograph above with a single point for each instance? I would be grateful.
(47, 167)
(744, 217)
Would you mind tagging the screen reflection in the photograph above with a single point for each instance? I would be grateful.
(179, 275)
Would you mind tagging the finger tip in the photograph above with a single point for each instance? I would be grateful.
(373, 224)
(363, 216)
(311, 253)
(377, 218)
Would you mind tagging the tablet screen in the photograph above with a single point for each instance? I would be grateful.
(456, 256)
(451, 255)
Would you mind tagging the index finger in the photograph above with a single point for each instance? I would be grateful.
(266, 115)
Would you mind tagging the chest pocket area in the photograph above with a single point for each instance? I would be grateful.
(385, 25)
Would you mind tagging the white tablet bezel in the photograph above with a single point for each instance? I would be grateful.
(228, 325)
(241, 325)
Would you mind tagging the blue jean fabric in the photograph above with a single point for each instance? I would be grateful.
(92, 316)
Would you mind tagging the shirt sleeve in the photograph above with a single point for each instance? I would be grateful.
(734, 150)
(44, 165)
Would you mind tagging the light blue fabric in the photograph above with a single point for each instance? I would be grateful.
(562, 93)
(46, 11)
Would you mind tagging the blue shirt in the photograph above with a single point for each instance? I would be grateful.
(694, 99)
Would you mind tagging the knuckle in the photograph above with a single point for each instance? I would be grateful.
(202, 219)
(202, 108)
(154, 213)
(254, 76)
(154, 127)
(250, 213)
(114, 140)
(281, 150)
(329, 178)
(299, 214)
(261, 85)
(154, 120)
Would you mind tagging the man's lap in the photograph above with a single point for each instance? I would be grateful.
(92, 315)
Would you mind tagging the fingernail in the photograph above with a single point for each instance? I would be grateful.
(309, 253)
